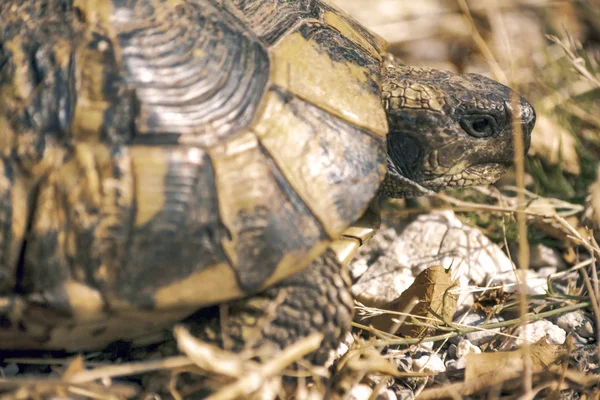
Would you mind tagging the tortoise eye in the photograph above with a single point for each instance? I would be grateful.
(479, 126)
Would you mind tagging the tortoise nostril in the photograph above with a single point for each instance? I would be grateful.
(527, 120)
(527, 115)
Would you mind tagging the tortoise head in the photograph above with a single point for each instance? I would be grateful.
(449, 130)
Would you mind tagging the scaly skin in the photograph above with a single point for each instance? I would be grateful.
(448, 130)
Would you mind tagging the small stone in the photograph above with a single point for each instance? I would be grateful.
(341, 350)
(375, 290)
(401, 359)
(461, 363)
(430, 363)
(405, 394)
(536, 284)
(10, 370)
(438, 238)
(451, 365)
(360, 392)
(465, 347)
(455, 365)
(586, 330)
(452, 351)
(387, 394)
(466, 298)
(357, 268)
(372, 252)
(426, 345)
(577, 322)
(345, 344)
(538, 330)
(478, 338)
(543, 256)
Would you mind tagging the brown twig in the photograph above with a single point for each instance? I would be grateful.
(252, 381)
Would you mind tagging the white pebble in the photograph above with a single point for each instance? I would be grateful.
(387, 394)
(455, 365)
(432, 363)
(576, 321)
(357, 268)
(465, 347)
(360, 392)
(480, 337)
(426, 345)
(543, 256)
(538, 330)
(535, 284)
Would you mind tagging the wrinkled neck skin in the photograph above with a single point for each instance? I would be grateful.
(399, 186)
(448, 130)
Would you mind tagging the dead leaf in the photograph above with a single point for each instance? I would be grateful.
(510, 364)
(434, 302)
(490, 299)
(551, 226)
(557, 378)
(544, 354)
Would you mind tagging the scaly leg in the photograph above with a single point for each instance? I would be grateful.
(317, 299)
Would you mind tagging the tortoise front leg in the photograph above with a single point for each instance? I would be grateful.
(316, 299)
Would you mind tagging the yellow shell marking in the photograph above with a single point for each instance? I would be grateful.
(297, 148)
(366, 227)
(345, 249)
(214, 284)
(19, 199)
(91, 103)
(7, 135)
(150, 166)
(300, 66)
(86, 303)
(235, 194)
(246, 184)
(21, 87)
(96, 11)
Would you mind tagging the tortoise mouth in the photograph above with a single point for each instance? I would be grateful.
(478, 174)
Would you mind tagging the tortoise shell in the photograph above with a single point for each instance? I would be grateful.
(163, 155)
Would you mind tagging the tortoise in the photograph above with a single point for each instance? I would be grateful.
(162, 156)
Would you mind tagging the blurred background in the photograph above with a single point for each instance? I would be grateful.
(546, 49)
